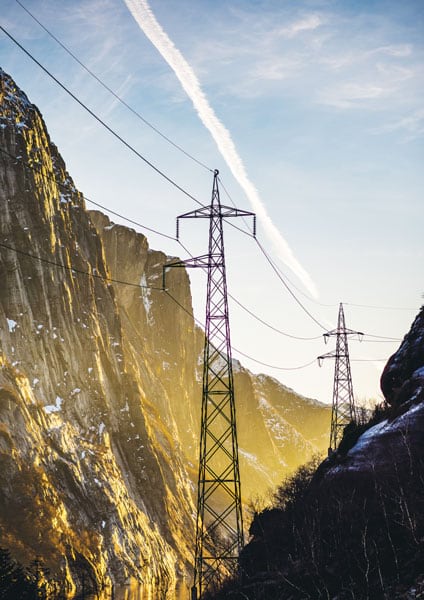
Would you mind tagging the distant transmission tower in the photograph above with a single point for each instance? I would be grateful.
(343, 410)
(219, 529)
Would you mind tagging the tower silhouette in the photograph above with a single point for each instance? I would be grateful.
(219, 525)
(343, 407)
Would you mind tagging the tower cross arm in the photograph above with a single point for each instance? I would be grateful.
(229, 211)
(343, 331)
(206, 212)
(217, 211)
(321, 358)
(198, 262)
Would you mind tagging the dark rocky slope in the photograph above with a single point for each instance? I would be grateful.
(100, 383)
(353, 527)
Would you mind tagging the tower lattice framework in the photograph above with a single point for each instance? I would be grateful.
(219, 525)
(343, 407)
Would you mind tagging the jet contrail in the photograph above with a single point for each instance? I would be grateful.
(145, 18)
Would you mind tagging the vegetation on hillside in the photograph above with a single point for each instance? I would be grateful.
(18, 582)
(357, 536)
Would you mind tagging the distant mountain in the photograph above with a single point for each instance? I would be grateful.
(100, 383)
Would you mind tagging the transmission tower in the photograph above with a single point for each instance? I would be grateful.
(343, 409)
(219, 526)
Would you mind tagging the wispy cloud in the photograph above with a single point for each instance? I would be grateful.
(281, 55)
(277, 68)
(398, 50)
(351, 94)
(145, 18)
(412, 124)
(306, 23)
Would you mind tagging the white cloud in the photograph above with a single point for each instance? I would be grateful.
(398, 50)
(413, 124)
(351, 94)
(306, 23)
(277, 68)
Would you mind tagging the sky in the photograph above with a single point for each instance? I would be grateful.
(313, 113)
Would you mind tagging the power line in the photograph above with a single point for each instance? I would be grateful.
(103, 123)
(156, 169)
(382, 337)
(159, 289)
(139, 155)
(308, 364)
(236, 349)
(108, 128)
(252, 314)
(137, 285)
(35, 167)
(380, 307)
(275, 366)
(313, 299)
(51, 177)
(281, 278)
(114, 94)
(370, 359)
(277, 267)
(79, 271)
(388, 341)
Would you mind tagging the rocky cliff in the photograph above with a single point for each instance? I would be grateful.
(100, 383)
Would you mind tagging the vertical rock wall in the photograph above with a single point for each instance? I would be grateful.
(100, 383)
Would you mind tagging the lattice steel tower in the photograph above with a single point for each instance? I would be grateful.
(219, 528)
(343, 409)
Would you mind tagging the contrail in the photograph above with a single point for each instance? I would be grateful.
(145, 18)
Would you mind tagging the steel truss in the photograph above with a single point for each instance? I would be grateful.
(219, 526)
(343, 408)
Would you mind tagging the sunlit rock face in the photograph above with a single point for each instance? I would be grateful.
(91, 477)
(100, 383)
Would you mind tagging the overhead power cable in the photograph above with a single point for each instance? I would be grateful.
(275, 265)
(306, 295)
(75, 270)
(159, 289)
(114, 94)
(99, 120)
(137, 285)
(281, 278)
(380, 307)
(112, 131)
(48, 176)
(51, 177)
(239, 351)
(388, 341)
(278, 272)
(252, 314)
(370, 359)
(308, 364)
(383, 337)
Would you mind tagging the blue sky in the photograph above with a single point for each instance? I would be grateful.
(324, 103)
